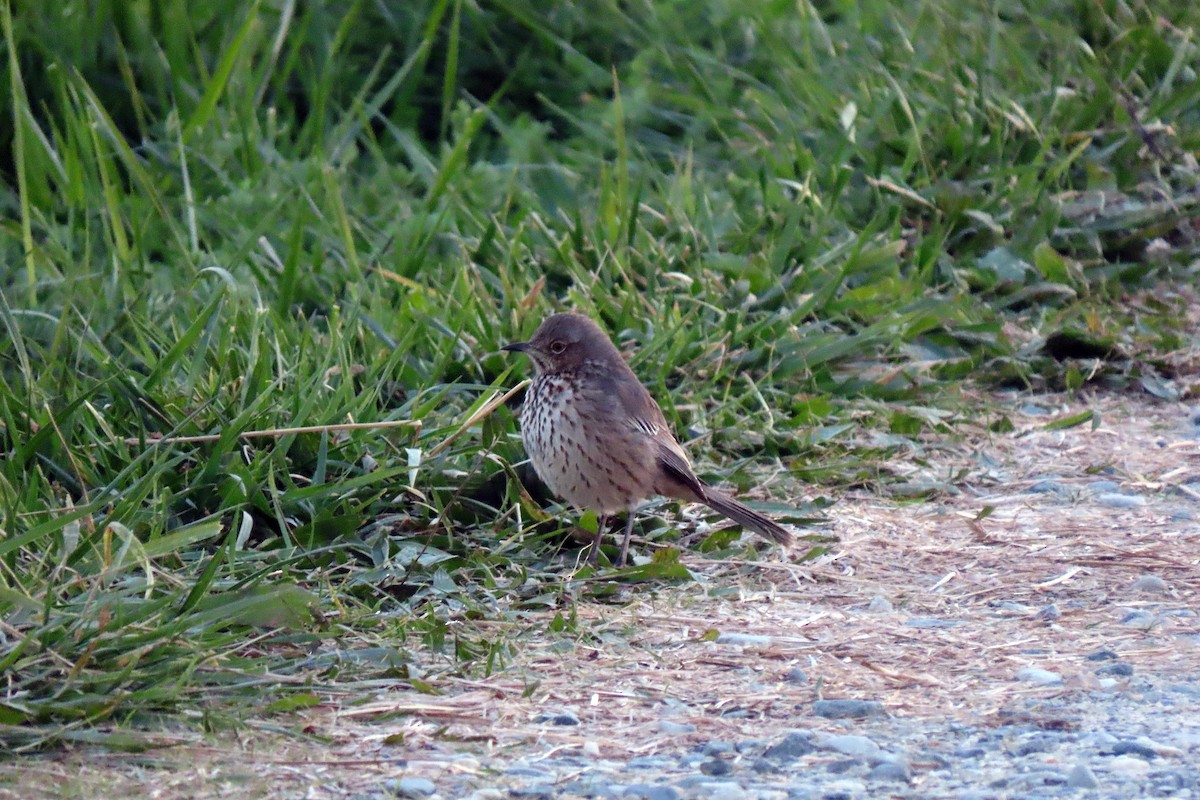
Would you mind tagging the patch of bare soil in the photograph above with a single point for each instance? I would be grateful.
(932, 607)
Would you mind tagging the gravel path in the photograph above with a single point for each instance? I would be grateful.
(1139, 740)
(1028, 628)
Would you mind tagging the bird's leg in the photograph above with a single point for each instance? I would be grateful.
(601, 524)
(625, 541)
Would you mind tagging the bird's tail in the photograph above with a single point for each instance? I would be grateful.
(745, 516)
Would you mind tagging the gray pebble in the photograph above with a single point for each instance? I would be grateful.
(796, 675)
(675, 728)
(1194, 416)
(1049, 613)
(410, 787)
(847, 709)
(722, 791)
(533, 792)
(1102, 655)
(841, 765)
(1049, 487)
(1038, 743)
(1016, 608)
(1127, 748)
(1117, 500)
(1149, 583)
(1118, 670)
(558, 718)
(764, 766)
(1042, 677)
(1033, 410)
(897, 771)
(716, 766)
(1142, 620)
(1082, 777)
(592, 789)
(717, 747)
(931, 623)
(1040, 777)
(793, 746)
(880, 605)
(850, 745)
(648, 762)
(526, 771)
(744, 639)
(1104, 487)
(648, 791)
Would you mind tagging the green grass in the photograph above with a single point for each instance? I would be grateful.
(250, 217)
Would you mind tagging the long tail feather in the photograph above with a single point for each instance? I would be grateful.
(745, 516)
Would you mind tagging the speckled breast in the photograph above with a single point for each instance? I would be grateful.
(565, 445)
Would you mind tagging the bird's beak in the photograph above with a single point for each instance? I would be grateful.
(516, 347)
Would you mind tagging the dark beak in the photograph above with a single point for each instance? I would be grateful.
(516, 347)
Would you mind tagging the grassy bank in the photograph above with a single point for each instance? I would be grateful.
(222, 225)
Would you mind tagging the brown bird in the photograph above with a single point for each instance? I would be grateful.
(598, 439)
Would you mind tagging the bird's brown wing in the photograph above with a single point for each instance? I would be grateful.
(644, 414)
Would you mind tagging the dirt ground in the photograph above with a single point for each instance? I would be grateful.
(930, 606)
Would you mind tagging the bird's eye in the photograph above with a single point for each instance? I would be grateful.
(557, 347)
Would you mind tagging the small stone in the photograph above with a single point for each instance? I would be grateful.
(897, 771)
(880, 605)
(675, 728)
(859, 747)
(744, 639)
(717, 747)
(764, 766)
(487, 794)
(1037, 743)
(1142, 620)
(1048, 487)
(1194, 416)
(557, 718)
(722, 791)
(793, 746)
(1158, 747)
(1041, 777)
(841, 766)
(1128, 765)
(1104, 487)
(1119, 670)
(1149, 583)
(411, 787)
(1082, 777)
(650, 791)
(1128, 748)
(1117, 500)
(796, 675)
(1042, 677)
(1049, 613)
(536, 792)
(847, 709)
(591, 749)
(1102, 655)
(931, 623)
(716, 766)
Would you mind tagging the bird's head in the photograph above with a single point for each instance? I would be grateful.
(565, 341)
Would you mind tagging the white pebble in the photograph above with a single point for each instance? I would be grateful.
(1042, 677)
(1128, 765)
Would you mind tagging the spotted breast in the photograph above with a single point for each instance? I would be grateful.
(566, 449)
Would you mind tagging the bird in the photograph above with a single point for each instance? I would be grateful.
(598, 439)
